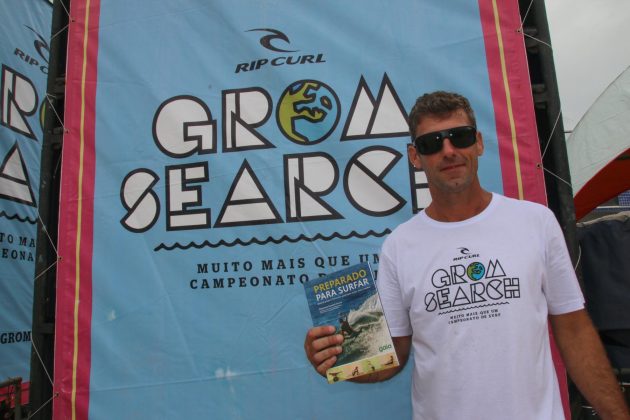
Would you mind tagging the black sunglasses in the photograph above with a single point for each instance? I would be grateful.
(460, 137)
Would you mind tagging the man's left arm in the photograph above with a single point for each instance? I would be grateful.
(587, 364)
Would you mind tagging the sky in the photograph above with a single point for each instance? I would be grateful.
(591, 47)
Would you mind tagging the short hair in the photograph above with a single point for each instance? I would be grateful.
(441, 104)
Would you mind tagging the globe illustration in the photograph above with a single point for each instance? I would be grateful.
(307, 112)
(475, 271)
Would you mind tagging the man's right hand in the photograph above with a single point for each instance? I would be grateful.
(322, 346)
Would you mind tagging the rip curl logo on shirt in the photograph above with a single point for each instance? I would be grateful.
(462, 287)
(466, 254)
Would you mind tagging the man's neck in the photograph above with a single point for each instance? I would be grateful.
(457, 207)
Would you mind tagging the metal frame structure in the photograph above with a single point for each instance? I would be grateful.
(42, 357)
(551, 136)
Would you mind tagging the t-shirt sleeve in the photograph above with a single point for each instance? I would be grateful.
(391, 298)
(560, 284)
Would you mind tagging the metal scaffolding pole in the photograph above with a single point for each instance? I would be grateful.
(542, 75)
(41, 386)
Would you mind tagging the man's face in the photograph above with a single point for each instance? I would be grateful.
(450, 170)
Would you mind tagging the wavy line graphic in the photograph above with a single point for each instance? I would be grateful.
(473, 307)
(18, 218)
(284, 238)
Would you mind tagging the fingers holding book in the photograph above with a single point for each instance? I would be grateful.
(322, 346)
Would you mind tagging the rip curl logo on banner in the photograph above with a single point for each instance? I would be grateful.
(275, 41)
(268, 41)
(43, 51)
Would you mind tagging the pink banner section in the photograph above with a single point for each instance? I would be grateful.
(74, 291)
(513, 102)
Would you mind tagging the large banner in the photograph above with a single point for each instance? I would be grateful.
(219, 155)
(24, 31)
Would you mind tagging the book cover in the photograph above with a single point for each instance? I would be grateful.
(348, 299)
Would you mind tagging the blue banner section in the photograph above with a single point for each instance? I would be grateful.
(25, 31)
(243, 148)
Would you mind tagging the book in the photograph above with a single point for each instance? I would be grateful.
(349, 300)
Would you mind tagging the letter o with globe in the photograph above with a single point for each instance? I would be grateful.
(307, 112)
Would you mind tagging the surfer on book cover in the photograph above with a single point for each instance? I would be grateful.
(345, 327)
(366, 331)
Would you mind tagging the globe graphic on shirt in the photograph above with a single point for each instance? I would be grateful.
(475, 271)
(307, 112)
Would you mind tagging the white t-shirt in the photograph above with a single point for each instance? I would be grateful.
(475, 295)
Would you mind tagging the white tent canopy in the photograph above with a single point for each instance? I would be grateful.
(599, 146)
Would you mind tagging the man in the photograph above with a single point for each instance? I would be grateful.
(470, 284)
